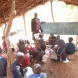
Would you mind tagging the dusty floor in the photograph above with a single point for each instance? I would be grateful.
(60, 70)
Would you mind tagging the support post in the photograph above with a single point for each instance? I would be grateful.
(4, 29)
(9, 54)
(7, 39)
(52, 10)
(24, 24)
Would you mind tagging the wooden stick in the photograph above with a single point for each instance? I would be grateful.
(24, 24)
(4, 29)
(52, 11)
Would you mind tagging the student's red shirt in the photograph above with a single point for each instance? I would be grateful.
(25, 62)
(30, 48)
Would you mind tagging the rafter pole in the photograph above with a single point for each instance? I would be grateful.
(4, 23)
(24, 24)
(52, 10)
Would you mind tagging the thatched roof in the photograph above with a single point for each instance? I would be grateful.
(22, 6)
(74, 2)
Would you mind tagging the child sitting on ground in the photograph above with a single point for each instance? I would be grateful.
(70, 47)
(60, 51)
(52, 39)
(41, 38)
(38, 52)
(16, 69)
(37, 71)
(29, 47)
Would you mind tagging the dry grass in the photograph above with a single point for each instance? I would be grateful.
(21, 7)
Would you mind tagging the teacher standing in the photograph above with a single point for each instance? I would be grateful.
(35, 25)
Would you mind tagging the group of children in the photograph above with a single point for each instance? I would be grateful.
(61, 48)
(26, 54)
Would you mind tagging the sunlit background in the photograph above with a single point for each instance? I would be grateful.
(61, 11)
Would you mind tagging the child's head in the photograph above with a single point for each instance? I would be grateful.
(21, 42)
(3, 38)
(40, 36)
(19, 57)
(37, 69)
(70, 39)
(58, 37)
(22, 48)
(51, 34)
(27, 41)
(37, 44)
(0, 50)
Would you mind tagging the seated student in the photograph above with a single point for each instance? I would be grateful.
(37, 71)
(3, 65)
(43, 46)
(70, 47)
(26, 60)
(29, 47)
(42, 42)
(52, 39)
(37, 51)
(21, 42)
(41, 38)
(57, 38)
(60, 51)
(22, 48)
(16, 69)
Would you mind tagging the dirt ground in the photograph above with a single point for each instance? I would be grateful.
(61, 70)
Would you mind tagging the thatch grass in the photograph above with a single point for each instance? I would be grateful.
(23, 6)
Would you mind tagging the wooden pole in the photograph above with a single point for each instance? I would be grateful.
(4, 22)
(76, 40)
(9, 55)
(52, 10)
(7, 40)
(4, 29)
(24, 24)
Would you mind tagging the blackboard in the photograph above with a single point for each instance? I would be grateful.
(61, 28)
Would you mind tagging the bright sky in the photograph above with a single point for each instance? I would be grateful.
(61, 11)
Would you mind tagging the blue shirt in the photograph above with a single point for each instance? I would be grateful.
(70, 48)
(3, 65)
(36, 76)
(73, 44)
(16, 70)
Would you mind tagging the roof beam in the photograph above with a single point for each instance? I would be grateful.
(4, 5)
